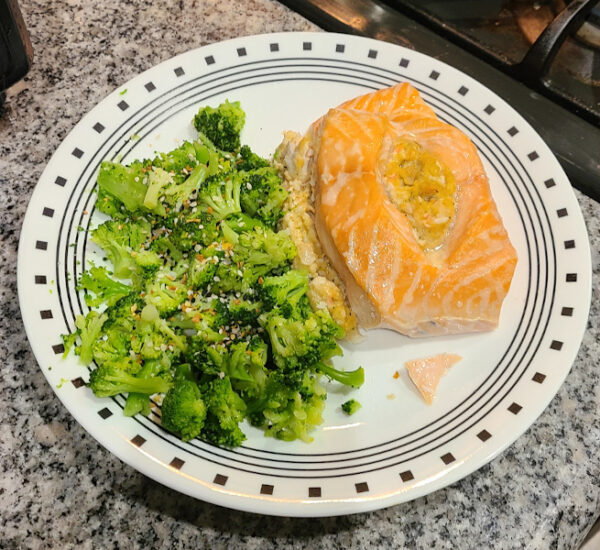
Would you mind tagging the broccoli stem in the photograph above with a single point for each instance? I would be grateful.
(354, 378)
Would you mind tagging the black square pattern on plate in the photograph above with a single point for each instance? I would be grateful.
(533, 156)
(362, 487)
(40, 279)
(150, 86)
(210, 60)
(60, 181)
(78, 153)
(447, 458)
(241, 52)
(340, 48)
(306, 46)
(406, 476)
(266, 489)
(463, 90)
(571, 278)
(41, 245)
(372, 54)
(569, 244)
(566, 312)
(46, 314)
(489, 109)
(105, 413)
(274, 47)
(123, 105)
(539, 377)
(549, 183)
(434, 75)
(404, 62)
(314, 492)
(220, 479)
(58, 348)
(138, 440)
(515, 408)
(179, 71)
(556, 345)
(99, 128)
(78, 382)
(562, 212)
(484, 435)
(512, 131)
(48, 212)
(177, 463)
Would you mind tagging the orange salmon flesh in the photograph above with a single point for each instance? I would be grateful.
(391, 279)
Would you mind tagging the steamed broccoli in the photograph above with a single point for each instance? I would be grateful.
(286, 412)
(263, 195)
(285, 291)
(351, 406)
(222, 125)
(107, 290)
(122, 242)
(220, 196)
(212, 314)
(354, 378)
(108, 380)
(226, 409)
(248, 160)
(89, 330)
(183, 411)
(126, 183)
(301, 342)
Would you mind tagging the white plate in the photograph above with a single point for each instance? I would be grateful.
(396, 448)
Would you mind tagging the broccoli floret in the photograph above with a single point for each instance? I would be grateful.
(226, 409)
(289, 413)
(220, 196)
(181, 162)
(110, 205)
(89, 329)
(201, 272)
(126, 183)
(165, 293)
(263, 195)
(256, 254)
(200, 229)
(157, 180)
(137, 403)
(222, 125)
(301, 342)
(285, 291)
(122, 242)
(108, 380)
(183, 411)
(107, 290)
(140, 402)
(122, 312)
(351, 406)
(249, 160)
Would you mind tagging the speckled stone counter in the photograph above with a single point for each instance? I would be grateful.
(60, 489)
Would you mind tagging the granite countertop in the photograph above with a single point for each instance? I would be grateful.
(60, 489)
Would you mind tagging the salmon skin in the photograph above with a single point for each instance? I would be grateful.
(379, 242)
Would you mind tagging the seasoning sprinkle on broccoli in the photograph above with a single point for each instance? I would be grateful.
(200, 303)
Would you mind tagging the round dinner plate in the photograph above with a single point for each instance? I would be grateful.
(396, 447)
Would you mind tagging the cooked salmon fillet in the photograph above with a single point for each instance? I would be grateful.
(427, 372)
(439, 262)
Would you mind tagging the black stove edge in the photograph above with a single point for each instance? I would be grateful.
(575, 142)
